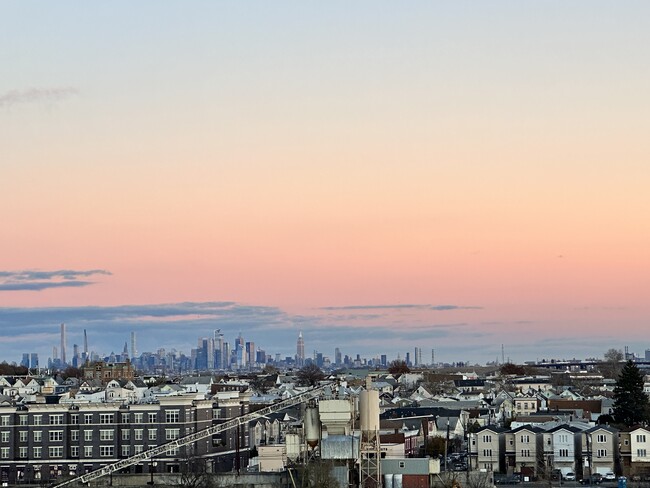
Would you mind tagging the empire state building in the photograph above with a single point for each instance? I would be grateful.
(300, 351)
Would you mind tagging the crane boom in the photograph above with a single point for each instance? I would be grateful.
(196, 436)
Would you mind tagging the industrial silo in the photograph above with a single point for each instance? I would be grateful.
(312, 425)
(369, 413)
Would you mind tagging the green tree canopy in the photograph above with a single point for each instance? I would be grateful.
(630, 401)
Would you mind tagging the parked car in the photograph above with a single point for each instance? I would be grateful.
(594, 479)
(609, 476)
(570, 476)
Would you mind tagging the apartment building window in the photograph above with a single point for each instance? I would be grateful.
(126, 434)
(88, 435)
(74, 451)
(601, 438)
(153, 434)
(22, 420)
(37, 452)
(22, 452)
(74, 435)
(88, 418)
(22, 436)
(138, 418)
(38, 436)
(126, 450)
(4, 420)
(153, 418)
(641, 453)
(105, 435)
(525, 453)
(56, 419)
(138, 434)
(487, 438)
(172, 416)
(38, 419)
(563, 438)
(88, 451)
(216, 413)
(525, 439)
(125, 418)
(640, 437)
(106, 418)
(172, 434)
(106, 451)
(4, 452)
(173, 451)
(74, 418)
(4, 436)
(138, 449)
(56, 435)
(487, 452)
(55, 451)
(601, 453)
(564, 453)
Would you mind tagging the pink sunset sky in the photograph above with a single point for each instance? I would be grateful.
(446, 175)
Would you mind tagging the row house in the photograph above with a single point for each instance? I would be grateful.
(535, 452)
(42, 442)
(599, 450)
(635, 453)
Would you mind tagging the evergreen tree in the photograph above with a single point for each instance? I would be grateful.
(630, 402)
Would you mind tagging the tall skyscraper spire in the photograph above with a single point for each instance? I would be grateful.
(63, 358)
(300, 351)
(85, 344)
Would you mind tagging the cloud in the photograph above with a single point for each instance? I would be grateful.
(420, 306)
(442, 308)
(374, 307)
(31, 95)
(42, 285)
(31, 280)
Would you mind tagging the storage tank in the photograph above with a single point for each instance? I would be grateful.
(312, 425)
(388, 481)
(397, 481)
(369, 412)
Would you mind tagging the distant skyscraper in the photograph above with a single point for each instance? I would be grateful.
(337, 356)
(63, 358)
(85, 345)
(133, 348)
(219, 353)
(25, 361)
(240, 351)
(33, 360)
(250, 354)
(418, 356)
(300, 351)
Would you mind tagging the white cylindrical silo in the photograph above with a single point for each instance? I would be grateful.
(369, 412)
(388, 481)
(397, 481)
(312, 425)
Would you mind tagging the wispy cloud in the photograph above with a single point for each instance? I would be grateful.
(418, 306)
(375, 307)
(33, 280)
(31, 95)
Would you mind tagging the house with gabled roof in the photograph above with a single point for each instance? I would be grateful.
(599, 450)
(528, 451)
(635, 453)
(487, 449)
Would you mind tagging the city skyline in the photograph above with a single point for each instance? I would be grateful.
(451, 175)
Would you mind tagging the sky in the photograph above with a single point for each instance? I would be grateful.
(454, 176)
